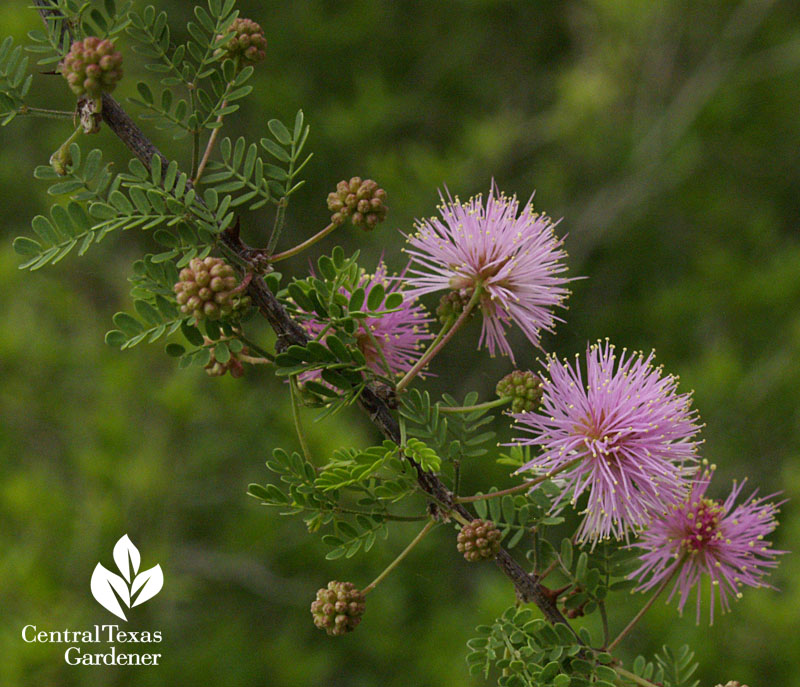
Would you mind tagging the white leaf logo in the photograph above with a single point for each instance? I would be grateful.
(132, 589)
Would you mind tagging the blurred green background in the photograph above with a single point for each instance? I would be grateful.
(667, 136)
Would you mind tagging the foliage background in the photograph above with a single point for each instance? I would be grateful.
(667, 136)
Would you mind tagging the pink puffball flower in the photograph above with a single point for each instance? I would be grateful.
(625, 436)
(700, 537)
(399, 333)
(514, 257)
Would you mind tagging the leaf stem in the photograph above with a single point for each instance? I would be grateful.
(480, 406)
(520, 487)
(299, 248)
(42, 112)
(253, 360)
(195, 138)
(212, 139)
(399, 559)
(296, 415)
(646, 607)
(441, 340)
(376, 344)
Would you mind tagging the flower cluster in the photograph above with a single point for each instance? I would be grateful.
(392, 339)
(363, 201)
(92, 67)
(247, 44)
(338, 608)
(208, 288)
(625, 436)
(719, 539)
(512, 257)
(613, 430)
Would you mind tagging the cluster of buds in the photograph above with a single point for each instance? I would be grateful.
(214, 368)
(92, 67)
(338, 608)
(523, 387)
(208, 288)
(452, 304)
(364, 202)
(479, 540)
(247, 43)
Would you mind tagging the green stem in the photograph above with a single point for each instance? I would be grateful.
(195, 138)
(252, 360)
(299, 248)
(370, 514)
(441, 340)
(604, 616)
(296, 415)
(520, 487)
(255, 348)
(212, 139)
(42, 112)
(323, 331)
(634, 678)
(645, 608)
(399, 559)
(480, 406)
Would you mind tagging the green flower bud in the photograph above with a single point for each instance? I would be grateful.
(364, 202)
(207, 289)
(214, 368)
(479, 540)
(338, 608)
(524, 387)
(248, 42)
(92, 67)
(452, 304)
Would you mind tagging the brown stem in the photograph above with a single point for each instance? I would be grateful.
(212, 139)
(290, 332)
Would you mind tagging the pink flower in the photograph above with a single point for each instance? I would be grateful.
(399, 333)
(625, 436)
(700, 536)
(513, 257)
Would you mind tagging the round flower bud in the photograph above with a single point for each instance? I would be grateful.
(479, 541)
(732, 683)
(207, 288)
(92, 67)
(214, 368)
(524, 387)
(338, 608)
(364, 202)
(248, 42)
(452, 304)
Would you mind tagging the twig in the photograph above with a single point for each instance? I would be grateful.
(290, 332)
(645, 608)
(440, 341)
(399, 559)
(520, 487)
(212, 139)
